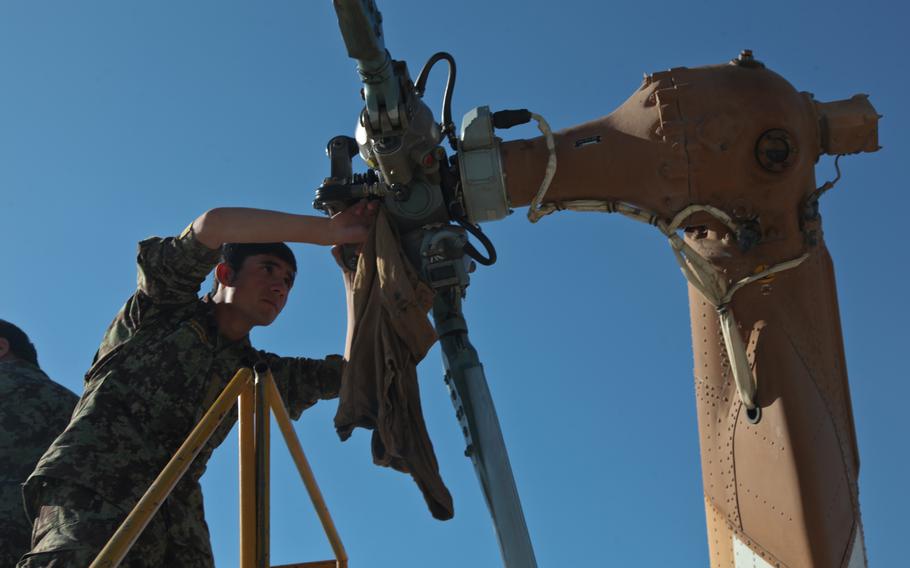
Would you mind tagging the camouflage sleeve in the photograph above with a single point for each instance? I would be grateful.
(302, 382)
(172, 269)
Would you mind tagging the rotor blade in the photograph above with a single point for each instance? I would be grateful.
(485, 445)
(361, 27)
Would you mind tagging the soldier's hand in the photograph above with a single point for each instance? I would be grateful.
(352, 226)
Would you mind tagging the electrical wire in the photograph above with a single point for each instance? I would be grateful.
(448, 127)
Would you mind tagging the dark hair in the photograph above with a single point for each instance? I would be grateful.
(19, 343)
(234, 254)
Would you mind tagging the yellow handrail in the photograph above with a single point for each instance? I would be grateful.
(306, 474)
(263, 444)
(246, 441)
(254, 402)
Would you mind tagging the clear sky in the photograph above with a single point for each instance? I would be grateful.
(120, 120)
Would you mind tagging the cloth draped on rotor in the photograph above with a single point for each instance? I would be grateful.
(379, 390)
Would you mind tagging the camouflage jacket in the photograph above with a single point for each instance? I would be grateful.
(33, 411)
(160, 366)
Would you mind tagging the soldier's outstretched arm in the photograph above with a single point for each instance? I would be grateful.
(241, 225)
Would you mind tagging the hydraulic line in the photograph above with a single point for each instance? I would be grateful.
(487, 243)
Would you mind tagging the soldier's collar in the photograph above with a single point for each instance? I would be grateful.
(217, 340)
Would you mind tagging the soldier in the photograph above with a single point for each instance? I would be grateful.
(163, 361)
(33, 411)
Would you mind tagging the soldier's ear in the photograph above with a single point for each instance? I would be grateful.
(4, 347)
(224, 274)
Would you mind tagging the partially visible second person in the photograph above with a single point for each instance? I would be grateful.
(33, 411)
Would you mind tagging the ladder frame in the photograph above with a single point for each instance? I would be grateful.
(256, 393)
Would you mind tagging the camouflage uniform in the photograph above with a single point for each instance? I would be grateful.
(160, 366)
(33, 411)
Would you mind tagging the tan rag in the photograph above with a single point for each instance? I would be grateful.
(379, 390)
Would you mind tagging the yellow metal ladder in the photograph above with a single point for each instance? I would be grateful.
(257, 393)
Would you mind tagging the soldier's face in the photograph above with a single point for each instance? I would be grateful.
(260, 288)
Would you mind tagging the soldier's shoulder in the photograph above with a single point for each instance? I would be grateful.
(20, 372)
(34, 383)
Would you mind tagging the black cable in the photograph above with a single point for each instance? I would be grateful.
(420, 86)
(473, 252)
(510, 118)
(448, 128)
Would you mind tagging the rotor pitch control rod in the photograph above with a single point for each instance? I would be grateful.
(443, 264)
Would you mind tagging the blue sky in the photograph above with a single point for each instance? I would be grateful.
(120, 120)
